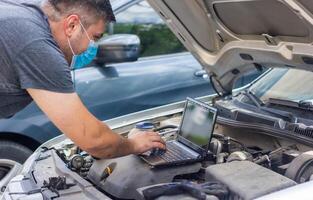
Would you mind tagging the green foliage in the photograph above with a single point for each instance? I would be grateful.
(155, 39)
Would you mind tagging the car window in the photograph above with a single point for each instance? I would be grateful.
(248, 77)
(156, 38)
(288, 84)
(140, 13)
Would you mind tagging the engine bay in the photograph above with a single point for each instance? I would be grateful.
(241, 165)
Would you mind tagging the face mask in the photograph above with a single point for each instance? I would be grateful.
(80, 61)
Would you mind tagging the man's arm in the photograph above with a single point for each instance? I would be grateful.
(69, 114)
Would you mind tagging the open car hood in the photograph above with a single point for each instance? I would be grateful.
(231, 37)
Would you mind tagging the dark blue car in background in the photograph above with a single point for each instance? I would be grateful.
(164, 73)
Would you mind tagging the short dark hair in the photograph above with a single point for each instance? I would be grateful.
(95, 8)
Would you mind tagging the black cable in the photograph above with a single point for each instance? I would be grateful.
(214, 87)
(218, 135)
(165, 127)
(45, 149)
(241, 144)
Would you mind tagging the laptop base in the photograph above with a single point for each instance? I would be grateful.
(176, 154)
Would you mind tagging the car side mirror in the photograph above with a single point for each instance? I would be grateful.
(118, 48)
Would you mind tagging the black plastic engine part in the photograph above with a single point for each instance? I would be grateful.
(55, 184)
(198, 191)
(289, 155)
(282, 169)
(129, 173)
(182, 196)
(286, 158)
(247, 180)
(173, 189)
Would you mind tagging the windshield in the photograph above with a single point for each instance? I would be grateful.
(287, 84)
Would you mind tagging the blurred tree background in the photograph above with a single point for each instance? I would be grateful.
(156, 39)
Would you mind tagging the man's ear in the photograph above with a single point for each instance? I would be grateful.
(71, 24)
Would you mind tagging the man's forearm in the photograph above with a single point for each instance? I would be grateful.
(107, 144)
(121, 147)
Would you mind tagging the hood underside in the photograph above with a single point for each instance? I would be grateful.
(232, 37)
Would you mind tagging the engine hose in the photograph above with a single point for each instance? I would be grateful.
(164, 127)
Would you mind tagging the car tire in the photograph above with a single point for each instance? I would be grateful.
(12, 155)
(14, 151)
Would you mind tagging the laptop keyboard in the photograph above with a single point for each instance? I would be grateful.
(175, 153)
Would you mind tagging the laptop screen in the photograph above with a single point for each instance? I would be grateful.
(198, 123)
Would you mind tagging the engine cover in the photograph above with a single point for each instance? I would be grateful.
(130, 173)
(247, 180)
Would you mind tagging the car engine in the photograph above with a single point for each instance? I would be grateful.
(242, 170)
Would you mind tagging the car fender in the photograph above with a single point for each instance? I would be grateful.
(24, 128)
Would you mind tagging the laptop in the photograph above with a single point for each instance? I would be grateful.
(193, 137)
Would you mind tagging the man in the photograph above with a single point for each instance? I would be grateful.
(37, 47)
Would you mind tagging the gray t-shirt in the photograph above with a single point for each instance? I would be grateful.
(29, 57)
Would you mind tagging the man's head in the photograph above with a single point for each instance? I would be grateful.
(68, 18)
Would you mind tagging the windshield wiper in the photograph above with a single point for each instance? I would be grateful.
(257, 101)
(302, 104)
(306, 104)
(260, 105)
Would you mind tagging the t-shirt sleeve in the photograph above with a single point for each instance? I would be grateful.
(41, 65)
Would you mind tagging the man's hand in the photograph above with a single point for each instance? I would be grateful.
(145, 141)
